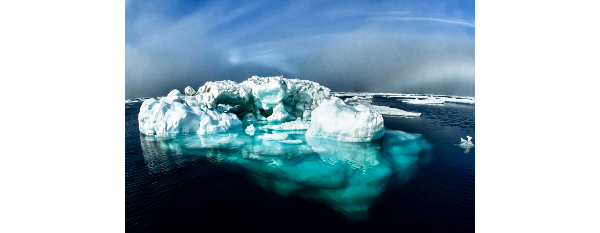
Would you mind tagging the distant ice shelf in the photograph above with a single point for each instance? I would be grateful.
(370, 95)
(424, 101)
(388, 111)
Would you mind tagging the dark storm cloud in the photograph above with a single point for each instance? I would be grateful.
(346, 48)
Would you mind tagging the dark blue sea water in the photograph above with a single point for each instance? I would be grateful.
(416, 182)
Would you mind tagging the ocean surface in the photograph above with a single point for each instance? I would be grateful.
(415, 179)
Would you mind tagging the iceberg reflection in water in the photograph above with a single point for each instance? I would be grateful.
(346, 176)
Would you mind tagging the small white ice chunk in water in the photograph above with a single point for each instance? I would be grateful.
(467, 144)
(274, 136)
(250, 130)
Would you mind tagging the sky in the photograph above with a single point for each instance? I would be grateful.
(425, 47)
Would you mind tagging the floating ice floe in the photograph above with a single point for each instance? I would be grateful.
(385, 110)
(365, 96)
(463, 100)
(135, 100)
(291, 125)
(250, 130)
(467, 144)
(273, 136)
(424, 101)
(359, 99)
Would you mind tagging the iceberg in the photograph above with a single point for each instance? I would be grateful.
(220, 106)
(280, 103)
(334, 119)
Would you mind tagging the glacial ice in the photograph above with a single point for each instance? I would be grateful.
(172, 116)
(282, 104)
(250, 130)
(218, 107)
(348, 177)
(189, 91)
(334, 119)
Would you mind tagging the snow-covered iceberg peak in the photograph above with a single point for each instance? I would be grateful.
(334, 119)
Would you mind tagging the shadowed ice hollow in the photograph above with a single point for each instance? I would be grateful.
(347, 176)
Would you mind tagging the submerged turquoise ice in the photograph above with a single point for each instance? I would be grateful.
(347, 176)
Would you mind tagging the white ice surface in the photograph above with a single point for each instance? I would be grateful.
(173, 115)
(365, 95)
(466, 144)
(189, 91)
(217, 106)
(273, 136)
(250, 130)
(334, 119)
(385, 110)
(290, 125)
(424, 101)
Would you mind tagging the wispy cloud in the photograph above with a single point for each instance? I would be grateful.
(398, 12)
(347, 47)
(458, 22)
